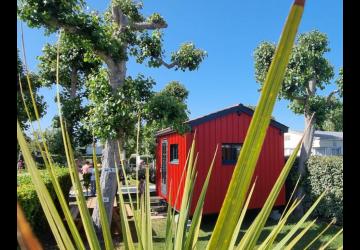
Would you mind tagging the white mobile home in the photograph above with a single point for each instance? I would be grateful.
(324, 143)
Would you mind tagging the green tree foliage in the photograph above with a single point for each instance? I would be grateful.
(307, 64)
(166, 108)
(334, 117)
(111, 111)
(39, 100)
(54, 141)
(307, 73)
(177, 90)
(76, 63)
(122, 31)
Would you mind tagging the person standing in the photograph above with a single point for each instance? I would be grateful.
(20, 163)
(85, 167)
(86, 175)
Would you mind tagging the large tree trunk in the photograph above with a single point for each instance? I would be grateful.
(108, 181)
(307, 144)
(305, 151)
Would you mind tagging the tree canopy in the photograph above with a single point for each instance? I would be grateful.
(39, 99)
(122, 31)
(167, 108)
(76, 63)
(308, 72)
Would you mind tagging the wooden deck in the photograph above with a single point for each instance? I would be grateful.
(91, 203)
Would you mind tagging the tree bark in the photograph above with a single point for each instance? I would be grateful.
(108, 183)
(110, 154)
(305, 151)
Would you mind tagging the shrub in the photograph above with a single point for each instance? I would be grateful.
(29, 201)
(326, 172)
(87, 178)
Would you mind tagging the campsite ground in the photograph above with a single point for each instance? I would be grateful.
(209, 222)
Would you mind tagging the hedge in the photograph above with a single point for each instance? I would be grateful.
(323, 172)
(326, 172)
(30, 203)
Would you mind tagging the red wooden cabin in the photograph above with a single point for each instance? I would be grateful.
(227, 128)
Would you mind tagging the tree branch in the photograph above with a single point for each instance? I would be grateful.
(115, 14)
(331, 95)
(169, 66)
(119, 18)
(122, 21)
(148, 26)
(297, 98)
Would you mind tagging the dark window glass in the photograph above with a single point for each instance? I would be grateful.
(230, 152)
(174, 153)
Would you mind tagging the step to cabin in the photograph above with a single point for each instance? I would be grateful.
(153, 202)
(159, 208)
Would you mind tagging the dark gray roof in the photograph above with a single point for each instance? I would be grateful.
(239, 108)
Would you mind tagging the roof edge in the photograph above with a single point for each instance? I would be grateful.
(240, 108)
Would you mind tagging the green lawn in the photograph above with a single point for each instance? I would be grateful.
(208, 225)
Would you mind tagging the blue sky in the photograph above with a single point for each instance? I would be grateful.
(229, 31)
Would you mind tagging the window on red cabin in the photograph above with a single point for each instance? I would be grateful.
(230, 153)
(174, 153)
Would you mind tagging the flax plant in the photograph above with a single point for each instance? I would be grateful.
(177, 235)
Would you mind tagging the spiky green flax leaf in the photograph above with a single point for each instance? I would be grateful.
(244, 169)
(268, 242)
(260, 220)
(103, 217)
(125, 228)
(293, 230)
(196, 219)
(80, 199)
(46, 155)
(180, 227)
(57, 227)
(331, 240)
(241, 219)
(299, 236)
(321, 233)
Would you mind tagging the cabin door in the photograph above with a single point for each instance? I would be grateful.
(164, 167)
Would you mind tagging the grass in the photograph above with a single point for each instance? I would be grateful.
(208, 223)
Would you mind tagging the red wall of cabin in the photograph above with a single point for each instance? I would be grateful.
(174, 171)
(230, 128)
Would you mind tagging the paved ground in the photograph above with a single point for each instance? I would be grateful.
(124, 190)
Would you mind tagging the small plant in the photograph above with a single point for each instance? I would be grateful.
(86, 181)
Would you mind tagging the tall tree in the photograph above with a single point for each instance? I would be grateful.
(77, 62)
(308, 72)
(23, 118)
(39, 99)
(120, 32)
(167, 108)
